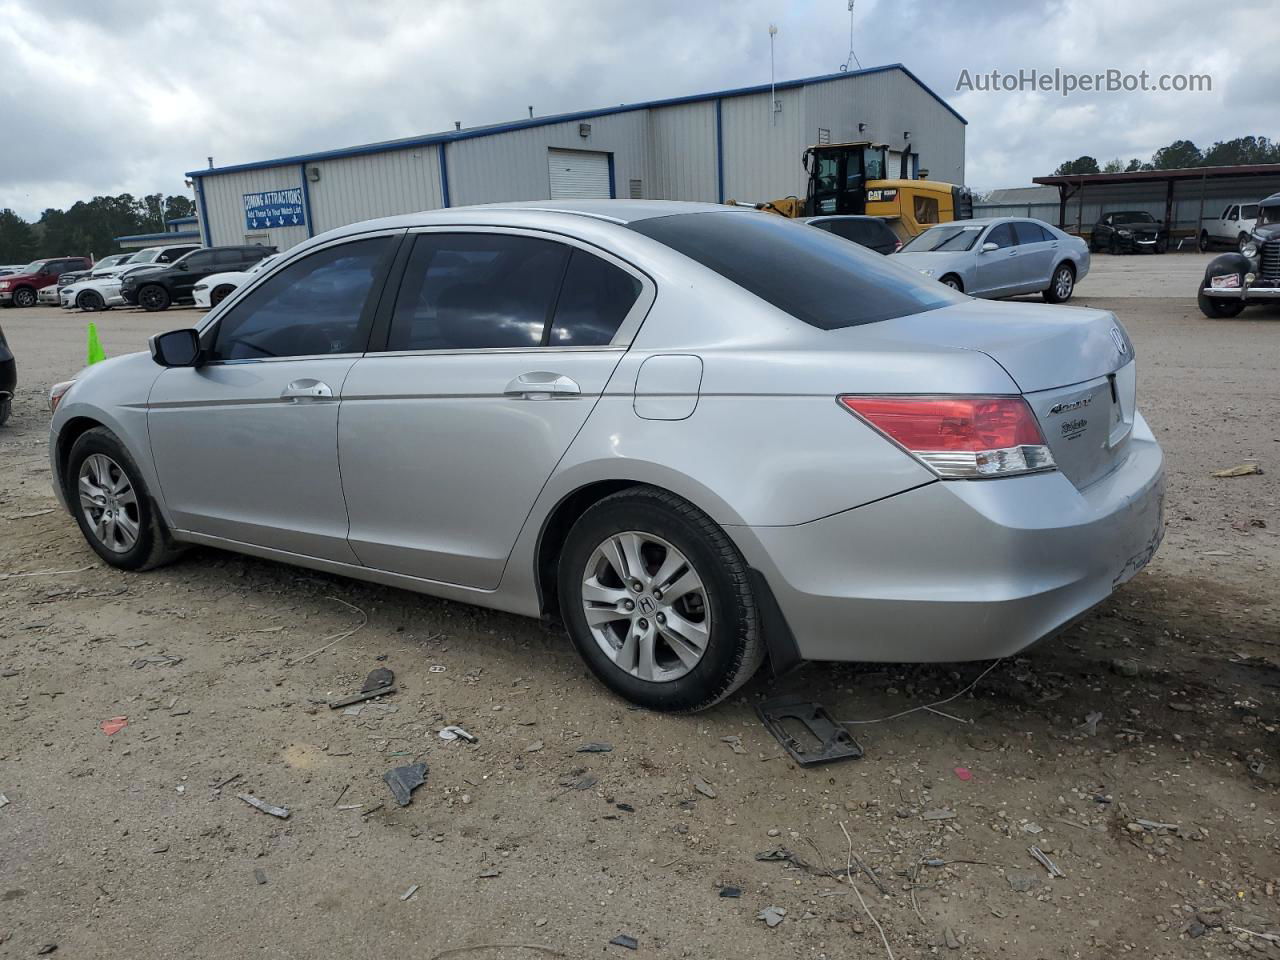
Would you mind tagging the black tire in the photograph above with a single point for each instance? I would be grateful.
(1217, 308)
(6, 408)
(153, 298)
(90, 301)
(24, 297)
(1113, 247)
(954, 282)
(1093, 245)
(735, 645)
(1062, 284)
(1241, 242)
(153, 546)
(219, 294)
(1203, 242)
(1162, 244)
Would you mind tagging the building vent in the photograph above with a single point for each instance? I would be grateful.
(637, 190)
(584, 129)
(824, 135)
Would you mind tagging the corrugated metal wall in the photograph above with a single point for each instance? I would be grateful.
(351, 189)
(224, 204)
(682, 153)
(513, 165)
(671, 150)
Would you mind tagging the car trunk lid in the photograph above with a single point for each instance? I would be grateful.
(1074, 366)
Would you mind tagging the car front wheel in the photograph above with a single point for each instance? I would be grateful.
(1242, 241)
(24, 297)
(153, 297)
(112, 507)
(952, 281)
(657, 600)
(90, 301)
(1219, 308)
(1061, 285)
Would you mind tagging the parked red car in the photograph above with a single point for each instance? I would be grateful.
(19, 289)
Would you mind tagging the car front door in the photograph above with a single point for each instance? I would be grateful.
(246, 445)
(997, 270)
(499, 346)
(1037, 255)
(195, 266)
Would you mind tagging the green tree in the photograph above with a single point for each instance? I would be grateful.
(1079, 165)
(1134, 166)
(176, 207)
(17, 239)
(1180, 153)
(1242, 150)
(1113, 166)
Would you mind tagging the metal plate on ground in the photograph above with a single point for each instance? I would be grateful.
(807, 731)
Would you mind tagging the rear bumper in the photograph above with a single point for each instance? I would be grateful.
(962, 570)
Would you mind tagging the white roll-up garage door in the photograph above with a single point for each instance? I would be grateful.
(578, 174)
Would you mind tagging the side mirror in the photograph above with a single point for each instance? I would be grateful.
(989, 246)
(177, 348)
(182, 265)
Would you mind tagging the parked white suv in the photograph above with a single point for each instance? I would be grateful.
(1233, 226)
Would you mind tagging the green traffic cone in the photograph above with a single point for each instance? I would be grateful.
(96, 353)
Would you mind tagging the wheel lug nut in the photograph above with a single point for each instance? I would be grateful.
(642, 623)
(657, 594)
(628, 604)
(662, 618)
(635, 585)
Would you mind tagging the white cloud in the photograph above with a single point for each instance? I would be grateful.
(107, 97)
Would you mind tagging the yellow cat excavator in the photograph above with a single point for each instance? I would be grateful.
(850, 178)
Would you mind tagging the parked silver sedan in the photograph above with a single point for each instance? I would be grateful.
(697, 435)
(1000, 257)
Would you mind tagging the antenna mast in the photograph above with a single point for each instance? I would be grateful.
(853, 57)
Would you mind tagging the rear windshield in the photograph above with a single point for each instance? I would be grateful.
(827, 282)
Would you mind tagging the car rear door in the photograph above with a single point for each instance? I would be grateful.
(998, 270)
(246, 445)
(1037, 255)
(497, 347)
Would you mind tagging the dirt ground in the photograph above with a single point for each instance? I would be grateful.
(135, 845)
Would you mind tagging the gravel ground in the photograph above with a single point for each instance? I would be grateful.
(135, 845)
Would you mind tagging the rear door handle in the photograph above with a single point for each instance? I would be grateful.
(542, 385)
(300, 391)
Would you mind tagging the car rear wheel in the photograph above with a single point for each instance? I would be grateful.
(954, 282)
(220, 293)
(1062, 285)
(1218, 308)
(153, 297)
(657, 600)
(24, 297)
(111, 505)
(1203, 242)
(90, 301)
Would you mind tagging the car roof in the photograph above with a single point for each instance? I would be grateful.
(842, 216)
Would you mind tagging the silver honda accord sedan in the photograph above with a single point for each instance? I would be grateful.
(697, 435)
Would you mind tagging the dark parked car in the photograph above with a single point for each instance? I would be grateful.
(172, 283)
(870, 232)
(8, 379)
(22, 288)
(1128, 231)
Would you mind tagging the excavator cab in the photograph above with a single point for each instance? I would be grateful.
(838, 176)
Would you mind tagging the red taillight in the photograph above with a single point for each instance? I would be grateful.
(960, 436)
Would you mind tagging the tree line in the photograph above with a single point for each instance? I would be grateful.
(1183, 153)
(87, 227)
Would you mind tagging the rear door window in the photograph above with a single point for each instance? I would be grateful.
(814, 276)
(227, 258)
(473, 291)
(594, 300)
(1028, 232)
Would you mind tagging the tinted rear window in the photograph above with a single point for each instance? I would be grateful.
(827, 282)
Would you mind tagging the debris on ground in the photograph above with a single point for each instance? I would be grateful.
(942, 813)
(409, 893)
(625, 807)
(1090, 726)
(772, 916)
(46, 949)
(828, 740)
(378, 679)
(534, 747)
(159, 660)
(404, 780)
(731, 892)
(1125, 668)
(963, 773)
(735, 743)
(703, 787)
(950, 939)
(595, 747)
(783, 855)
(361, 697)
(113, 725)
(4, 801)
(271, 808)
(624, 940)
(488, 874)
(1043, 859)
(1239, 470)
(455, 732)
(259, 875)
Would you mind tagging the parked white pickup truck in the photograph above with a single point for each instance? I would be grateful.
(1232, 227)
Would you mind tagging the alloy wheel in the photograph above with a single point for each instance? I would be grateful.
(24, 297)
(1062, 283)
(152, 297)
(646, 606)
(109, 503)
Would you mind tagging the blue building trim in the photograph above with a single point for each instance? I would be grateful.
(454, 136)
(184, 220)
(719, 152)
(206, 231)
(176, 236)
(444, 174)
(613, 188)
(306, 201)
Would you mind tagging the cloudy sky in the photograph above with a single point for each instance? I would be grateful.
(104, 96)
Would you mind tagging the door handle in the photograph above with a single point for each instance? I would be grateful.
(542, 385)
(300, 391)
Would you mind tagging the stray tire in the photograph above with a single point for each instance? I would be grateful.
(153, 297)
(90, 301)
(1217, 308)
(24, 297)
(219, 294)
(1203, 242)
(657, 600)
(111, 504)
(1061, 285)
(954, 282)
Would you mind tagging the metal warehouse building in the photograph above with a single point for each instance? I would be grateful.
(742, 144)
